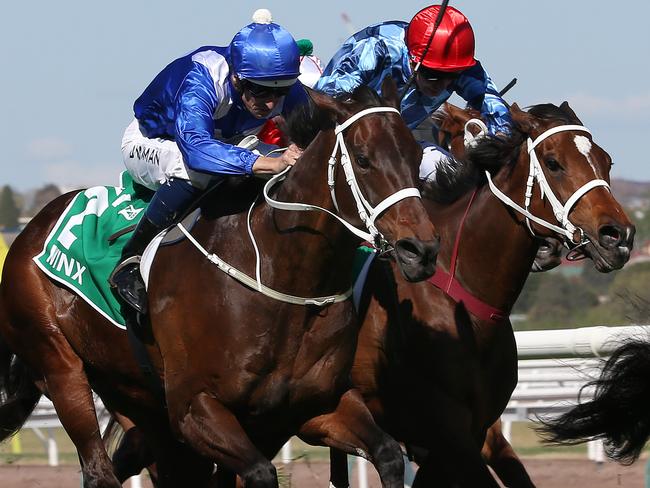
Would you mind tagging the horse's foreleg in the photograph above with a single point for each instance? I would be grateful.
(338, 469)
(351, 429)
(215, 433)
(454, 463)
(498, 453)
(132, 455)
(70, 392)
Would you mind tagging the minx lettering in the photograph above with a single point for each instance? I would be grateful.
(71, 267)
(148, 154)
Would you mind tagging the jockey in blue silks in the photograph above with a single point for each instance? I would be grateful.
(447, 65)
(189, 121)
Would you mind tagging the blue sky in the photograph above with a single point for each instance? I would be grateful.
(72, 69)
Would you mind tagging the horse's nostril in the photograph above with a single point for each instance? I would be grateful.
(416, 258)
(408, 248)
(610, 235)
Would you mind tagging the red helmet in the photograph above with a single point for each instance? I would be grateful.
(452, 48)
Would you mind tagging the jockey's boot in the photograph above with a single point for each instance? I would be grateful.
(126, 278)
(170, 204)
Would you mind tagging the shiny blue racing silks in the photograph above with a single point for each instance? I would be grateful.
(192, 101)
(380, 50)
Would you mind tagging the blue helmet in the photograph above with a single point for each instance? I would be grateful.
(266, 54)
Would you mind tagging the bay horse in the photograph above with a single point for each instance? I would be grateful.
(437, 373)
(242, 372)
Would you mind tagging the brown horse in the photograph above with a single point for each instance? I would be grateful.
(436, 374)
(242, 372)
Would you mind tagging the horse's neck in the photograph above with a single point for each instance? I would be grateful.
(315, 244)
(496, 251)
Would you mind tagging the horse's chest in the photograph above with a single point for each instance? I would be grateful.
(316, 370)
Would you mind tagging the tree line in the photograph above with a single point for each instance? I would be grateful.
(13, 205)
(555, 300)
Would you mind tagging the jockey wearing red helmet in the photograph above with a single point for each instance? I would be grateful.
(443, 62)
(444, 59)
(452, 47)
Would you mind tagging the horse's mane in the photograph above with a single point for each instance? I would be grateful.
(455, 177)
(548, 111)
(491, 153)
(305, 121)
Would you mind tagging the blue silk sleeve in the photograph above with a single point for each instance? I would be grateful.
(476, 87)
(350, 68)
(195, 105)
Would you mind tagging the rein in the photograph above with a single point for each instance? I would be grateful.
(561, 211)
(367, 213)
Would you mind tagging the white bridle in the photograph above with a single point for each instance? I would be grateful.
(367, 213)
(561, 211)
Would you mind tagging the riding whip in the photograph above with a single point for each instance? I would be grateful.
(507, 88)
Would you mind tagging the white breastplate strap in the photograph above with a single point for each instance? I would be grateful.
(561, 211)
(367, 213)
(258, 286)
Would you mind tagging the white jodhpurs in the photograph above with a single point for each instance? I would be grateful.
(432, 157)
(152, 162)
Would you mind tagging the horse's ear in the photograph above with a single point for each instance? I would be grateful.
(569, 111)
(327, 105)
(526, 122)
(389, 92)
(452, 119)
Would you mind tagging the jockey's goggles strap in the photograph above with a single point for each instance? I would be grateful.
(265, 290)
(561, 211)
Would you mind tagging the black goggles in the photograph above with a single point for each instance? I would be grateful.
(434, 75)
(260, 91)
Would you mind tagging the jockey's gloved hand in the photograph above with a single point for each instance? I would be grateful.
(266, 165)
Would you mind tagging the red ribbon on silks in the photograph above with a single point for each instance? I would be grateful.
(271, 134)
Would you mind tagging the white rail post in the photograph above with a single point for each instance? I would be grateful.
(52, 449)
(286, 452)
(596, 451)
(506, 428)
(362, 472)
(135, 481)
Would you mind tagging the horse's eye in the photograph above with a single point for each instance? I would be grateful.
(362, 161)
(552, 164)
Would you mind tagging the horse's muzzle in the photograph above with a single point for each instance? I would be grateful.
(416, 258)
(611, 250)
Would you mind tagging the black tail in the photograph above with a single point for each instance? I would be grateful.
(619, 413)
(18, 393)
